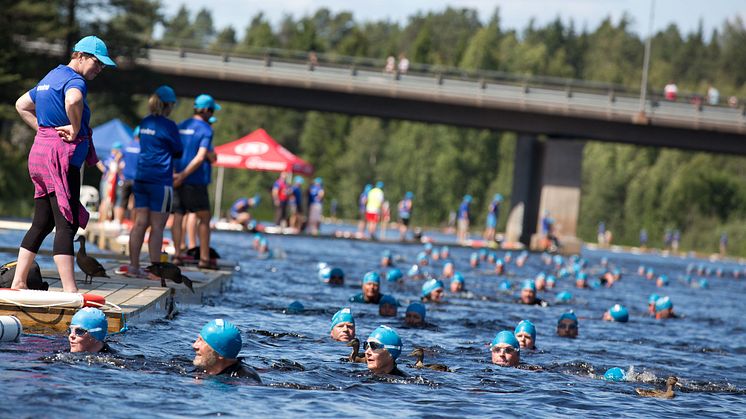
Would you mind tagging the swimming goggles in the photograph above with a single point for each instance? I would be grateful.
(374, 346)
(79, 331)
(504, 349)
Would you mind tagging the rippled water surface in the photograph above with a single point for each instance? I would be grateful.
(303, 375)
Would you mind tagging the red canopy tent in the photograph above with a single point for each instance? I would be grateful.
(256, 151)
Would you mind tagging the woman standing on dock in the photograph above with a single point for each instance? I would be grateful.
(159, 145)
(57, 110)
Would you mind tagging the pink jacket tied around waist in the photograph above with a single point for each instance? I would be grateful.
(48, 165)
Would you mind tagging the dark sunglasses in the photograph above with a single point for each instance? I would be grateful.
(78, 331)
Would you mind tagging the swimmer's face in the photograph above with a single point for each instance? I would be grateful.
(567, 328)
(549, 285)
(385, 261)
(437, 295)
(387, 310)
(371, 289)
(474, 263)
(336, 280)
(379, 361)
(448, 270)
(204, 356)
(343, 332)
(85, 343)
(457, 286)
(525, 340)
(540, 283)
(664, 314)
(413, 319)
(651, 308)
(499, 268)
(580, 283)
(528, 296)
(505, 355)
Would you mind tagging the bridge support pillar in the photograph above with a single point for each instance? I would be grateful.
(524, 200)
(560, 192)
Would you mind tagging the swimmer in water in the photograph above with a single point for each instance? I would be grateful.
(525, 333)
(582, 280)
(433, 291)
(382, 348)
(87, 331)
(662, 281)
(528, 294)
(617, 313)
(550, 282)
(651, 303)
(387, 259)
(415, 315)
(540, 281)
(457, 283)
(506, 351)
(342, 328)
(422, 259)
(371, 290)
(394, 275)
(448, 270)
(499, 267)
(445, 252)
(336, 277)
(216, 351)
(387, 306)
(664, 308)
(567, 325)
(474, 260)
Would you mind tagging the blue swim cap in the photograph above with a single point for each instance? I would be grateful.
(563, 273)
(388, 299)
(431, 285)
(414, 270)
(653, 298)
(93, 320)
(664, 279)
(619, 313)
(223, 337)
(344, 315)
(595, 283)
(448, 263)
(379, 184)
(582, 275)
(394, 274)
(295, 307)
(388, 338)
(506, 336)
(504, 285)
(386, 254)
(499, 262)
(166, 94)
(527, 327)
(497, 197)
(551, 279)
(457, 277)
(563, 297)
(428, 246)
(483, 252)
(445, 249)
(615, 374)
(421, 256)
(568, 315)
(663, 303)
(372, 277)
(474, 256)
(337, 272)
(418, 308)
(528, 285)
(298, 179)
(703, 283)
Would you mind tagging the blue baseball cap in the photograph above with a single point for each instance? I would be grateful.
(409, 195)
(418, 308)
(372, 277)
(619, 313)
(467, 198)
(93, 320)
(223, 337)
(507, 337)
(295, 307)
(298, 179)
(95, 46)
(318, 180)
(498, 197)
(615, 374)
(526, 326)
(205, 101)
(379, 184)
(430, 286)
(387, 337)
(394, 274)
(166, 94)
(344, 315)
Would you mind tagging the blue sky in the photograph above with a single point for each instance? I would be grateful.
(515, 13)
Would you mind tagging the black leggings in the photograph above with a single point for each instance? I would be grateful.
(47, 216)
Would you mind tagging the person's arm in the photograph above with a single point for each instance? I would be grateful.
(74, 110)
(101, 166)
(191, 167)
(27, 110)
(212, 156)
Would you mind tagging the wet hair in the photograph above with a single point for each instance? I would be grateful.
(158, 107)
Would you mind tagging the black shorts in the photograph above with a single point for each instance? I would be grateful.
(124, 191)
(190, 198)
(405, 221)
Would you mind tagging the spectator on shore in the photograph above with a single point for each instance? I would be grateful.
(280, 196)
(670, 91)
(315, 205)
(390, 64)
(713, 95)
(403, 64)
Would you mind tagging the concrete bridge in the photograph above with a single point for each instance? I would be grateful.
(565, 113)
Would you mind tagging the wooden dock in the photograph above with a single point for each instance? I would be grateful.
(139, 299)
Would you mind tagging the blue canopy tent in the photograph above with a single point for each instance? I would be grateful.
(108, 133)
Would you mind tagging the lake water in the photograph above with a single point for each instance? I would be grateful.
(303, 375)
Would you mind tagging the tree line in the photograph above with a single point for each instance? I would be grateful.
(627, 187)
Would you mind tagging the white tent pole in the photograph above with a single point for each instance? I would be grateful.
(219, 192)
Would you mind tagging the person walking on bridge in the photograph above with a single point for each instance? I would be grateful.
(57, 110)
